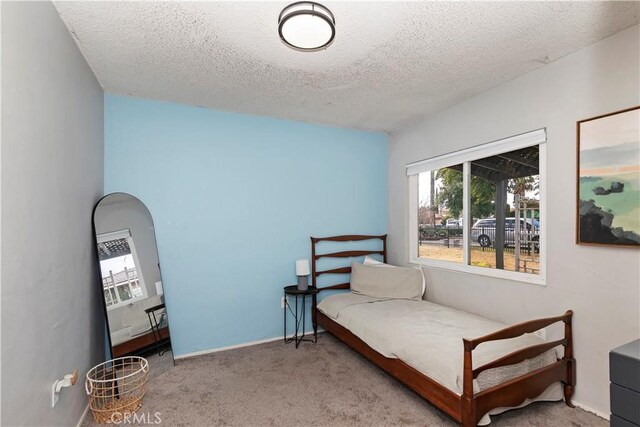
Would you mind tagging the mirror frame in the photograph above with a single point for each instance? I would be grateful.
(99, 271)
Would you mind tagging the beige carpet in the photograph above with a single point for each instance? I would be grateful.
(324, 384)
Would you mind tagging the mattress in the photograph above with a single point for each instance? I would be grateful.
(428, 337)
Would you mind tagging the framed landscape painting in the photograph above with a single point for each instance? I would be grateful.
(609, 179)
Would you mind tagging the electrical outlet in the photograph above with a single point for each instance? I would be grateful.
(284, 302)
(54, 395)
(67, 381)
(541, 333)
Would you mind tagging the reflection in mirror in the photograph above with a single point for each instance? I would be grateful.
(118, 264)
(131, 283)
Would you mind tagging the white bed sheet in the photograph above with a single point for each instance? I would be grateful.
(428, 337)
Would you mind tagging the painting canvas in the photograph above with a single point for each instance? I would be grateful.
(609, 179)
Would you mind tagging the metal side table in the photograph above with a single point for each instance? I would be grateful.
(155, 328)
(299, 314)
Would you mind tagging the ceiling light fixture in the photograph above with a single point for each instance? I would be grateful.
(306, 26)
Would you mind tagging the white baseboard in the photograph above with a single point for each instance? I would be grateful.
(231, 347)
(593, 411)
(83, 416)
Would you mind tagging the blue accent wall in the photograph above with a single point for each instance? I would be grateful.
(235, 198)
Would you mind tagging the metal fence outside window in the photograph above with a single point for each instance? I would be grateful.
(482, 238)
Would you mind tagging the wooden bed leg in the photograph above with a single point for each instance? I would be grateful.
(571, 381)
(314, 297)
(467, 402)
(568, 392)
(571, 362)
(468, 414)
(314, 308)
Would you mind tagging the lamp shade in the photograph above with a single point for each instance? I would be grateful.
(302, 267)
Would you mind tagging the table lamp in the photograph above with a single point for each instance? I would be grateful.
(302, 271)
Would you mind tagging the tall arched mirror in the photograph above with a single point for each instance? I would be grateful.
(137, 317)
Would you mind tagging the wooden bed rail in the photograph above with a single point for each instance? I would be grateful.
(347, 254)
(524, 386)
(518, 329)
(334, 287)
(519, 356)
(315, 273)
(341, 270)
(348, 238)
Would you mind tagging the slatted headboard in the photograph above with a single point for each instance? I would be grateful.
(315, 273)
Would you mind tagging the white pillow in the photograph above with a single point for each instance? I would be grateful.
(379, 282)
(372, 261)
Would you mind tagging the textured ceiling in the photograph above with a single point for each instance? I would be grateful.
(391, 62)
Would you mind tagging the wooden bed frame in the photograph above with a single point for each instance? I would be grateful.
(470, 407)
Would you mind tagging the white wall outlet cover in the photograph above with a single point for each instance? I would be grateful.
(159, 289)
(54, 394)
(67, 381)
(284, 302)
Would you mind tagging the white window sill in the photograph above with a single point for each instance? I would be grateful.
(534, 279)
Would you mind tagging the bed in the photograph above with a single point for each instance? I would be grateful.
(512, 366)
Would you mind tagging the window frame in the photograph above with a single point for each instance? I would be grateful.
(125, 234)
(466, 156)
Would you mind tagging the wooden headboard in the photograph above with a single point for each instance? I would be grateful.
(315, 273)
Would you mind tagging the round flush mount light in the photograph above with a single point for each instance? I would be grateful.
(306, 26)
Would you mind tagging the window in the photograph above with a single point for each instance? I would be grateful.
(121, 282)
(481, 210)
(439, 223)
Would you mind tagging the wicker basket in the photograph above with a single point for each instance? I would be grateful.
(116, 388)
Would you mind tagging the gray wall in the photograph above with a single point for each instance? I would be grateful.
(51, 176)
(600, 284)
